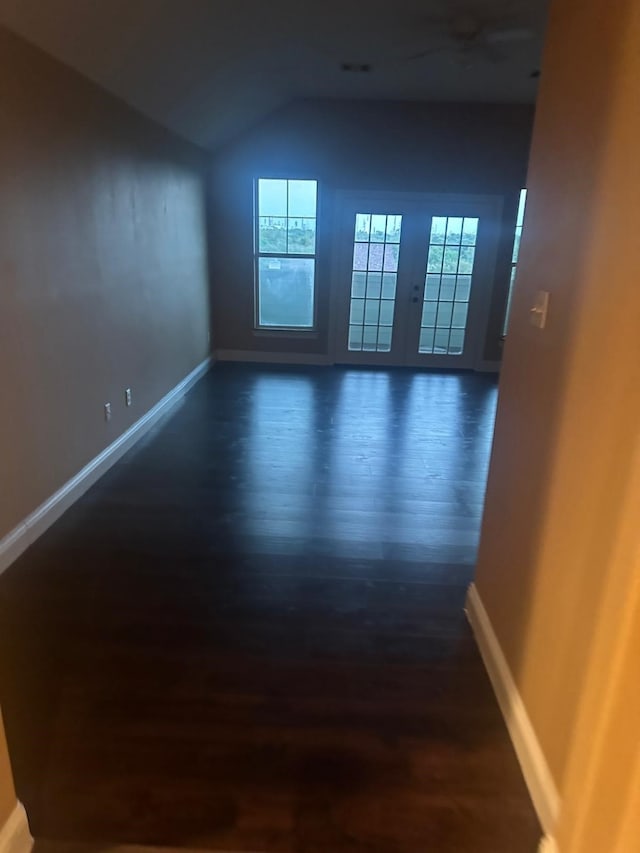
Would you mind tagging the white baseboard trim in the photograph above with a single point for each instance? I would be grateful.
(548, 845)
(35, 524)
(535, 769)
(260, 357)
(15, 836)
(273, 357)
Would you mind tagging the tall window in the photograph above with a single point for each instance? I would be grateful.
(285, 253)
(514, 257)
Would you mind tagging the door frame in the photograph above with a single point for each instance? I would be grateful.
(491, 218)
(341, 251)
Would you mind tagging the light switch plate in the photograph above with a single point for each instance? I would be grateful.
(538, 312)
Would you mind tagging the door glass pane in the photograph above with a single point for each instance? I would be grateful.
(389, 285)
(394, 224)
(370, 338)
(459, 320)
(469, 231)
(441, 342)
(429, 311)
(384, 338)
(363, 226)
(378, 228)
(358, 285)
(432, 287)
(374, 284)
(357, 311)
(438, 230)
(447, 289)
(456, 341)
(454, 230)
(434, 264)
(426, 339)
(451, 256)
(391, 255)
(360, 256)
(372, 312)
(386, 312)
(355, 337)
(463, 288)
(443, 320)
(467, 254)
(376, 252)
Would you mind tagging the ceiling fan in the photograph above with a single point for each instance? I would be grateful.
(471, 34)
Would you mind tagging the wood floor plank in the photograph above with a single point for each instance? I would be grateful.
(248, 636)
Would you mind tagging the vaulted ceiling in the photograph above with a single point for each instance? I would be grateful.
(208, 69)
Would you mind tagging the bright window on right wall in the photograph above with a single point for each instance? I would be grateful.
(514, 257)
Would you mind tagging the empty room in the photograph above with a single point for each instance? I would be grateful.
(319, 447)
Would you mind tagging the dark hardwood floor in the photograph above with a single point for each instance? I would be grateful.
(249, 635)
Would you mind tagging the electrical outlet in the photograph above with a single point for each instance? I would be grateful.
(107, 411)
(128, 399)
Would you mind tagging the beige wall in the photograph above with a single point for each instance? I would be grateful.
(7, 792)
(569, 407)
(103, 271)
(481, 149)
(601, 794)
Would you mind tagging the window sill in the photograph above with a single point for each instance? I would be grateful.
(309, 334)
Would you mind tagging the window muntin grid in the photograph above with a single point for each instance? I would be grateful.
(447, 288)
(374, 276)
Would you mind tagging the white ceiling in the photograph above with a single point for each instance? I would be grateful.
(208, 69)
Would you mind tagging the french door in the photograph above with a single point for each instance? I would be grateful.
(412, 278)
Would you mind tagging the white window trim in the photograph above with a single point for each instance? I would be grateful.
(306, 332)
